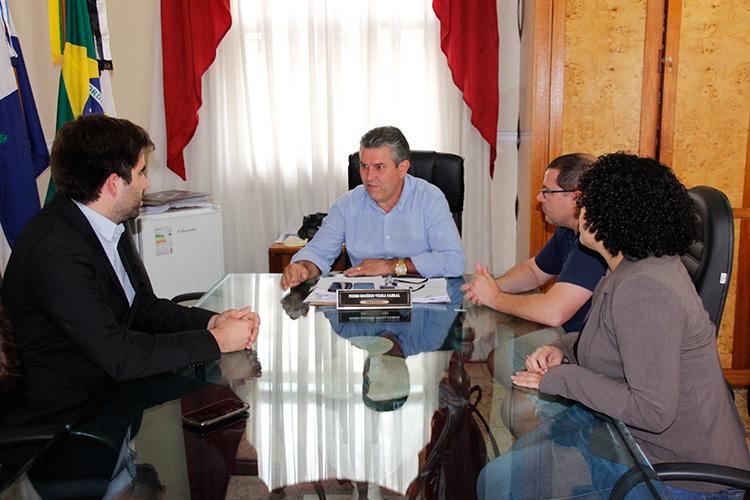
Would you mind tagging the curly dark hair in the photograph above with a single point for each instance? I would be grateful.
(636, 206)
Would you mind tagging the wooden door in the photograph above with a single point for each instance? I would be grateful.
(662, 78)
(704, 135)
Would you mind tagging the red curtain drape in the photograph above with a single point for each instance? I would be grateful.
(190, 31)
(469, 38)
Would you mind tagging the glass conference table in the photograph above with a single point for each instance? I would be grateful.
(403, 401)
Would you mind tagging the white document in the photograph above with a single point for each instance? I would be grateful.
(423, 291)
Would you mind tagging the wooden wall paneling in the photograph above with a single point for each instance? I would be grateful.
(557, 83)
(737, 311)
(652, 78)
(740, 354)
(603, 75)
(537, 124)
(669, 80)
(608, 65)
(727, 332)
(738, 378)
(710, 128)
(712, 100)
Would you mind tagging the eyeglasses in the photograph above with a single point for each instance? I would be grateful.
(546, 191)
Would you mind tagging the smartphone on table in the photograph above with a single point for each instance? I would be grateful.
(339, 285)
(216, 413)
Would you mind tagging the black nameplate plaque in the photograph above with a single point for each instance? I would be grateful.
(373, 299)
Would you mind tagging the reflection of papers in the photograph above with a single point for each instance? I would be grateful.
(422, 292)
(284, 236)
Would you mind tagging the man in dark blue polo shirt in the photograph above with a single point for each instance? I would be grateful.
(578, 270)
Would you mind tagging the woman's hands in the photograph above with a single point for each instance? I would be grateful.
(537, 365)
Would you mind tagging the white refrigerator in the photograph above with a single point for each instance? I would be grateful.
(183, 249)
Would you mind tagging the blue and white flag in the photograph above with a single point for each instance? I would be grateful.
(23, 150)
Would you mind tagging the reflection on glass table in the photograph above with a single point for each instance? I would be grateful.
(402, 401)
(315, 415)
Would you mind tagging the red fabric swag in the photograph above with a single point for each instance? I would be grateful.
(469, 38)
(190, 33)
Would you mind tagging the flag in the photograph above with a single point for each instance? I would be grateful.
(100, 32)
(23, 150)
(190, 32)
(79, 91)
(56, 34)
(469, 38)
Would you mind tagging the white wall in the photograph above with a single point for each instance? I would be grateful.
(504, 185)
(131, 25)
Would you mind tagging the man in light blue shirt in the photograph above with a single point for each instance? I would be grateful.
(392, 224)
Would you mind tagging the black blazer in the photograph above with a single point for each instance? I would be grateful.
(72, 323)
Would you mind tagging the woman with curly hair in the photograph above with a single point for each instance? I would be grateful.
(646, 354)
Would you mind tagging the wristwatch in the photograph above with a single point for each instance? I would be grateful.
(401, 268)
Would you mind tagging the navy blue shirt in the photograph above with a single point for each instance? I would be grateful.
(564, 255)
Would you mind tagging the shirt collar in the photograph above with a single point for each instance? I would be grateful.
(405, 191)
(102, 225)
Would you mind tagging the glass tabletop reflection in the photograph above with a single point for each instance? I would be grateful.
(411, 401)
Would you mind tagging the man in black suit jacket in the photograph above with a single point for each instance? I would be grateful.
(78, 297)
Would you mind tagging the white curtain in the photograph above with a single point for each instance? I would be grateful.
(294, 86)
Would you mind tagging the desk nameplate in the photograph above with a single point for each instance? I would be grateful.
(373, 299)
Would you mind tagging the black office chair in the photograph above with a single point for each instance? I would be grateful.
(709, 263)
(709, 260)
(187, 299)
(30, 441)
(445, 170)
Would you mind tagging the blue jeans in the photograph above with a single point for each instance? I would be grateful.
(555, 461)
(730, 494)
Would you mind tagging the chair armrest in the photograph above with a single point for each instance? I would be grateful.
(36, 435)
(27, 436)
(99, 436)
(184, 297)
(707, 473)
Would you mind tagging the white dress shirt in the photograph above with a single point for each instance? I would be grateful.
(109, 235)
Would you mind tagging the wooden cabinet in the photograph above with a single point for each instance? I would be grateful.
(669, 80)
(279, 256)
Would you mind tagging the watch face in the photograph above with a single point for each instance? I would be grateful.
(401, 269)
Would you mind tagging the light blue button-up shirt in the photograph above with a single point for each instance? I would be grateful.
(109, 236)
(419, 227)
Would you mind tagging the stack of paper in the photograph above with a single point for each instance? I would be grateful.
(291, 240)
(423, 291)
(154, 203)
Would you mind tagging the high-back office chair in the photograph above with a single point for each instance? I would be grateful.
(709, 260)
(709, 263)
(445, 170)
(29, 441)
(187, 299)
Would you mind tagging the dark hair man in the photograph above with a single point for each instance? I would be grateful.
(393, 224)
(78, 297)
(578, 270)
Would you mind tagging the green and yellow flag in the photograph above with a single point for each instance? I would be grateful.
(80, 91)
